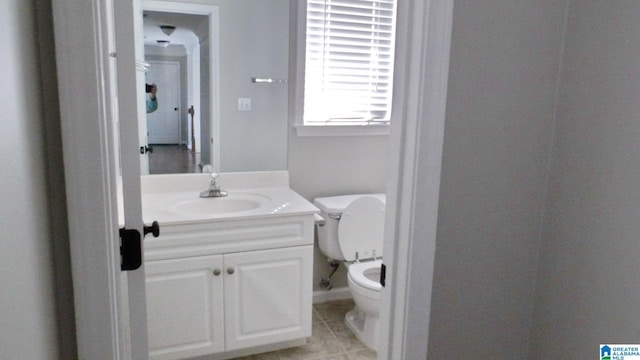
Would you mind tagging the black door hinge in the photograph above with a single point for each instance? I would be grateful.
(130, 249)
(383, 274)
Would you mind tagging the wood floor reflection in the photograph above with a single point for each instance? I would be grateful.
(173, 159)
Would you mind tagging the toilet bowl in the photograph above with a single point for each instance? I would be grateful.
(364, 283)
(353, 233)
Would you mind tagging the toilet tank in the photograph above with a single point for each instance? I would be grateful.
(331, 209)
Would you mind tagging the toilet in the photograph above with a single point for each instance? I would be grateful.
(353, 233)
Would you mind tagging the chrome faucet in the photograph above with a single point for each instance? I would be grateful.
(214, 188)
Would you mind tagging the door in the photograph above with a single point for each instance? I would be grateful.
(267, 296)
(184, 307)
(163, 125)
(131, 105)
(98, 106)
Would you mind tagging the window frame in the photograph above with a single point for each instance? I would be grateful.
(298, 29)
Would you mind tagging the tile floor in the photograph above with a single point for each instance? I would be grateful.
(330, 339)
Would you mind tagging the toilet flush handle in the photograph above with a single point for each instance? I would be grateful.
(335, 216)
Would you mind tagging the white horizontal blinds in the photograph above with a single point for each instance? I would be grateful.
(349, 61)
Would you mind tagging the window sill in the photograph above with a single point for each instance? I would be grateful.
(345, 130)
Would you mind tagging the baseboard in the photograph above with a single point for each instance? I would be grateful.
(320, 296)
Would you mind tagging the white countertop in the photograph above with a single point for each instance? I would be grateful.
(175, 200)
(276, 201)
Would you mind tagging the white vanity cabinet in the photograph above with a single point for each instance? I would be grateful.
(266, 298)
(185, 314)
(228, 286)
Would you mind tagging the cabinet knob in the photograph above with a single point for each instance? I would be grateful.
(230, 271)
(216, 272)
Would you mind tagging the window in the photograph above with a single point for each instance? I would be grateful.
(348, 62)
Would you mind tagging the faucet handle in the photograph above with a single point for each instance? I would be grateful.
(214, 181)
(214, 188)
(207, 168)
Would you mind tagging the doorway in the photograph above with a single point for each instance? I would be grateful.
(420, 96)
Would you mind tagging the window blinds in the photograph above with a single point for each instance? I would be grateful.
(349, 62)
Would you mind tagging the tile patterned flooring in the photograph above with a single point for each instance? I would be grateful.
(330, 339)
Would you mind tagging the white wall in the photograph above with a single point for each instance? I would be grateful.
(498, 134)
(589, 287)
(28, 321)
(254, 42)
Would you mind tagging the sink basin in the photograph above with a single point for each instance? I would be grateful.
(230, 204)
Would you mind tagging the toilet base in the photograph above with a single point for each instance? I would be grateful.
(364, 326)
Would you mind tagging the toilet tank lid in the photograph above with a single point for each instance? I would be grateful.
(337, 204)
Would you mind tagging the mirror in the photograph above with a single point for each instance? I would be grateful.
(206, 56)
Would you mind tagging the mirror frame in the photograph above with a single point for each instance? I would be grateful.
(212, 12)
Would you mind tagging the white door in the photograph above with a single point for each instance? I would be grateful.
(96, 99)
(267, 296)
(163, 124)
(131, 105)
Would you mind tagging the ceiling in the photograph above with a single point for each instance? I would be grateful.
(190, 29)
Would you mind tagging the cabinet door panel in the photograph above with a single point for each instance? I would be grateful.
(268, 296)
(184, 307)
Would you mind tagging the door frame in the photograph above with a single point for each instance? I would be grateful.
(419, 99)
(424, 34)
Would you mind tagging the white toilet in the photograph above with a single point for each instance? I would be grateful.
(353, 233)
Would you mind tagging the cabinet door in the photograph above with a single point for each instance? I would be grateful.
(184, 307)
(267, 296)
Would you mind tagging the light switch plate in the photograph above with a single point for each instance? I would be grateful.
(244, 104)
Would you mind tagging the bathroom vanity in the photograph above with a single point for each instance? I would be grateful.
(228, 276)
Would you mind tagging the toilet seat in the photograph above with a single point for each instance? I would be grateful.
(358, 273)
(361, 229)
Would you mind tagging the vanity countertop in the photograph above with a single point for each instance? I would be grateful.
(175, 199)
(186, 207)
